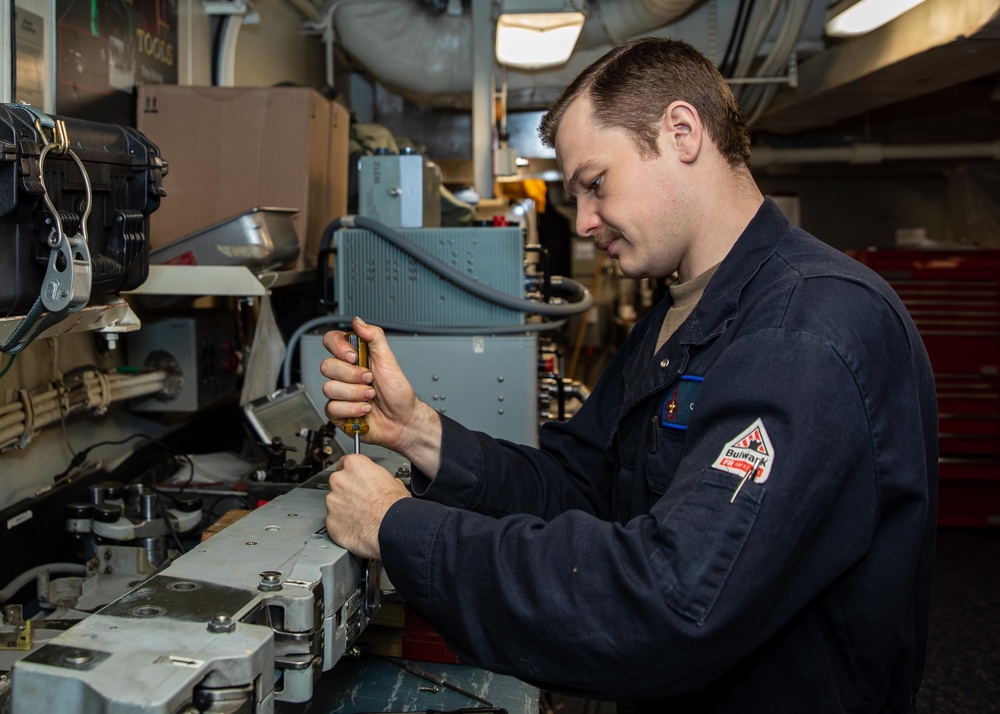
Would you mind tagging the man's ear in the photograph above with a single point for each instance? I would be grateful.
(682, 131)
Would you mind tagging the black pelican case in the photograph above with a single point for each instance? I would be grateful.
(125, 173)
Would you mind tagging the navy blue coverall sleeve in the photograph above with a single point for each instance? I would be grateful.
(521, 569)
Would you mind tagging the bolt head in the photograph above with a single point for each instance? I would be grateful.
(221, 623)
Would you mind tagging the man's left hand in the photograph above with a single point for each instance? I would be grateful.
(360, 494)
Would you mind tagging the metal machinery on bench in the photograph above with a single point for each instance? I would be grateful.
(251, 616)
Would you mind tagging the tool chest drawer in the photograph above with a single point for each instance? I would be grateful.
(954, 299)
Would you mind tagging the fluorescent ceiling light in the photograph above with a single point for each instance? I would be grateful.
(856, 17)
(532, 39)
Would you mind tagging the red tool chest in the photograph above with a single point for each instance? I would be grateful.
(954, 299)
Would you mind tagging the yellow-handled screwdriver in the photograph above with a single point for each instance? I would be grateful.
(358, 426)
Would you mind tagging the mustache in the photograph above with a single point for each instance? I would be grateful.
(606, 235)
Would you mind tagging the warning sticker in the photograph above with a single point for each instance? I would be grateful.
(749, 455)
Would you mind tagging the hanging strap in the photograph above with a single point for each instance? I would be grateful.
(68, 276)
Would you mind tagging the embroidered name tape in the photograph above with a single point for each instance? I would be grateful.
(749, 455)
(678, 406)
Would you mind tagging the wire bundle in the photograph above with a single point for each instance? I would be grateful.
(89, 390)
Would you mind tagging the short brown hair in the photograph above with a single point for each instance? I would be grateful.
(633, 84)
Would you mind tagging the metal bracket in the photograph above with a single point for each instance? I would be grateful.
(791, 79)
(232, 7)
(68, 278)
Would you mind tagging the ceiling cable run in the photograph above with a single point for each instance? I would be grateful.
(751, 95)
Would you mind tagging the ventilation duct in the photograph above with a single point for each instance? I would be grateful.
(428, 56)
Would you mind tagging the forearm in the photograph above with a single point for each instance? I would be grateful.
(420, 441)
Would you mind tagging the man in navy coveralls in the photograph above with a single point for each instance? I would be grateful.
(741, 516)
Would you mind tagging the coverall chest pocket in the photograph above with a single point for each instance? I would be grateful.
(667, 430)
(663, 454)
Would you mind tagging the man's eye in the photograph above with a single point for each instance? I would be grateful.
(596, 183)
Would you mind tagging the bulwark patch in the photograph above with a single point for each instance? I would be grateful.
(749, 455)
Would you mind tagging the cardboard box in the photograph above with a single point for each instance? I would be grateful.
(231, 149)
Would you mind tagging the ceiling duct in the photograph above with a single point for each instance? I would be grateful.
(427, 56)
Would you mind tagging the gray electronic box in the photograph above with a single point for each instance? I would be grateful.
(399, 190)
(486, 382)
(381, 282)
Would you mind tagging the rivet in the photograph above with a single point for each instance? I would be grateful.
(665, 363)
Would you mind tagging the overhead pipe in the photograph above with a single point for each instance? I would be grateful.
(483, 111)
(872, 153)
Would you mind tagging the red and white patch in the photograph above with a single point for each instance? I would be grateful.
(749, 455)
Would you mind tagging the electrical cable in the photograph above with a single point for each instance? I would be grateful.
(741, 38)
(781, 51)
(7, 368)
(166, 519)
(81, 456)
(12, 588)
(582, 304)
(458, 278)
(344, 320)
(86, 389)
(62, 421)
(728, 63)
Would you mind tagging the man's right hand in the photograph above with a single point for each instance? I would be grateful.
(382, 395)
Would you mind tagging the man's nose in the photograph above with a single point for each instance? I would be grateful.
(588, 222)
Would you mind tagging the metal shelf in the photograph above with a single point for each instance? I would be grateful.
(112, 316)
(201, 280)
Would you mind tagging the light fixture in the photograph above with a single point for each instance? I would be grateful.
(532, 35)
(848, 18)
